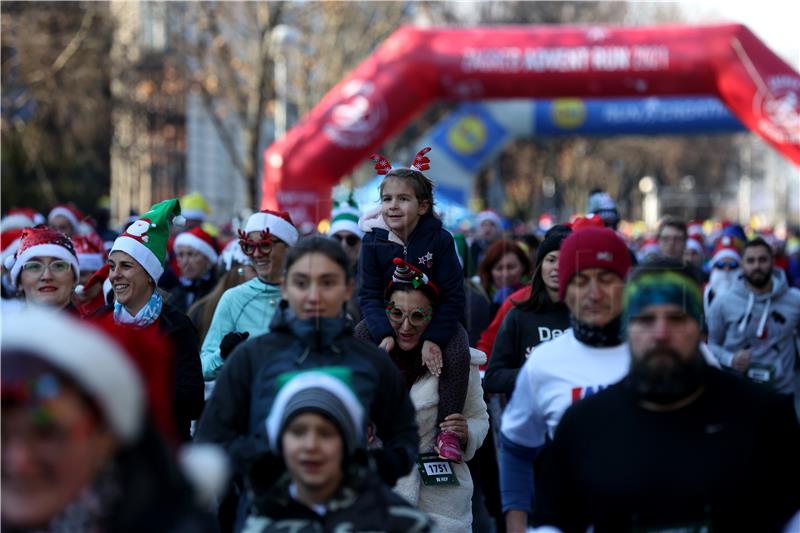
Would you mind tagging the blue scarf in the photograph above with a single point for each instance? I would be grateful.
(146, 315)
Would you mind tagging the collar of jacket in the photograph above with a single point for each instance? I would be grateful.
(275, 499)
(314, 333)
(427, 224)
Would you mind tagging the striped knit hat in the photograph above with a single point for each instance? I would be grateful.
(344, 217)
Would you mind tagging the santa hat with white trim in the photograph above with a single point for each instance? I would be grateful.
(197, 239)
(146, 239)
(18, 219)
(70, 212)
(695, 242)
(91, 251)
(42, 241)
(89, 357)
(725, 249)
(344, 217)
(9, 241)
(278, 223)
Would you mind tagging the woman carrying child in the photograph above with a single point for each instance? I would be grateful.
(405, 227)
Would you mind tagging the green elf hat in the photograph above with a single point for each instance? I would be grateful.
(146, 239)
(344, 217)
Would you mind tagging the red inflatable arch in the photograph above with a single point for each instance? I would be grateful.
(415, 67)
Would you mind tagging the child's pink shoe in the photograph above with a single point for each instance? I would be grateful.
(447, 446)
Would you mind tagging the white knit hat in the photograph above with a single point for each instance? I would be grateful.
(278, 223)
(88, 356)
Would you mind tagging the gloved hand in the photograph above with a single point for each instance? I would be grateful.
(231, 341)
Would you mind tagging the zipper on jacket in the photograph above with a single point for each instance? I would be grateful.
(405, 253)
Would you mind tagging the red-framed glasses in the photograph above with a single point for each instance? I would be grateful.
(250, 246)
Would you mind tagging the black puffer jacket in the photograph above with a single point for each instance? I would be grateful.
(189, 391)
(235, 414)
(362, 503)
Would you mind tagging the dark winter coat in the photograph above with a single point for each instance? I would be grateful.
(187, 292)
(236, 413)
(520, 333)
(189, 384)
(430, 248)
(362, 503)
(189, 387)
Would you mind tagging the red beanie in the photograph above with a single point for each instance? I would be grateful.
(591, 248)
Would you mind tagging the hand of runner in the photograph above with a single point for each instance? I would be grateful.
(387, 344)
(432, 357)
(457, 423)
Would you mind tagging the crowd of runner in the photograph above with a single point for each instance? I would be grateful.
(394, 374)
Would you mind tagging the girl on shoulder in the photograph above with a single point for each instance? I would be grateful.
(405, 227)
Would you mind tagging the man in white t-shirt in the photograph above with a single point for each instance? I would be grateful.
(587, 358)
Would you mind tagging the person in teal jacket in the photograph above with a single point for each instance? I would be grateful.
(247, 309)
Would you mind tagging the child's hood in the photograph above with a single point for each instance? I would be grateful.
(372, 219)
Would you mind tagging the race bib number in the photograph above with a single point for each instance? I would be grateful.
(761, 373)
(435, 471)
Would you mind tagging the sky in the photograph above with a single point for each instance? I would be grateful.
(774, 21)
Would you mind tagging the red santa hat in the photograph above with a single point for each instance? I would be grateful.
(695, 242)
(725, 249)
(91, 251)
(42, 241)
(694, 227)
(199, 240)
(70, 212)
(18, 218)
(9, 240)
(649, 247)
(278, 223)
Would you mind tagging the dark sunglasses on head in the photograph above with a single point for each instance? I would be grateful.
(351, 239)
(726, 265)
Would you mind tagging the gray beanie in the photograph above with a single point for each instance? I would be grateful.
(322, 393)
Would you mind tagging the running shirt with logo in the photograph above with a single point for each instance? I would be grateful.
(558, 373)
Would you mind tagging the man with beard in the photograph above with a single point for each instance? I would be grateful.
(752, 327)
(586, 358)
(725, 267)
(676, 445)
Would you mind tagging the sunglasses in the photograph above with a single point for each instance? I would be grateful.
(249, 246)
(351, 239)
(37, 268)
(726, 265)
(416, 318)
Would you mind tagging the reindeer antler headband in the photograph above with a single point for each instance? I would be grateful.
(421, 162)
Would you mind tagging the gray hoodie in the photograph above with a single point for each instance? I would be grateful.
(767, 324)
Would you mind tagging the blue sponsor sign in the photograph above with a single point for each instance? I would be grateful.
(469, 136)
(633, 116)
